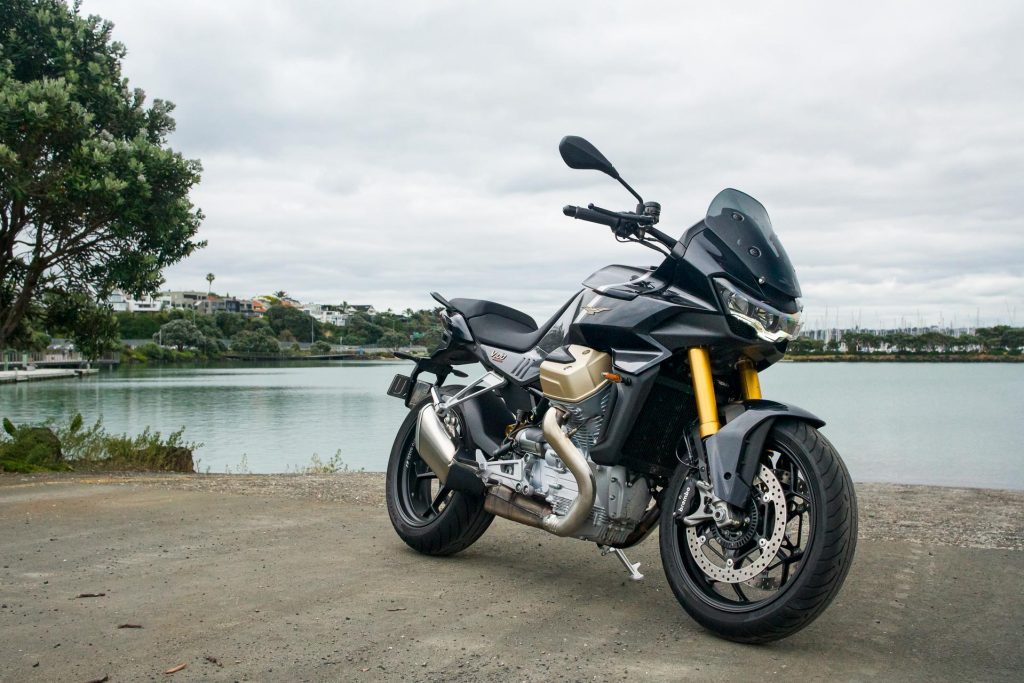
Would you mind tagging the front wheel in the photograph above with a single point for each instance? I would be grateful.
(776, 573)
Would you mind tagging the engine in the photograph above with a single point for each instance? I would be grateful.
(581, 391)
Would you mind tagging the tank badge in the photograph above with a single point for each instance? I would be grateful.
(498, 356)
(594, 310)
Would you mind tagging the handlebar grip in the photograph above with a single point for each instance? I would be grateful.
(579, 213)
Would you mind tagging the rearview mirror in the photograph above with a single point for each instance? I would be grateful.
(578, 153)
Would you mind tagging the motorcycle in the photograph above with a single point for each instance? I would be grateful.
(637, 406)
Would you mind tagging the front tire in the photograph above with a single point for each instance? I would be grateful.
(816, 541)
(429, 517)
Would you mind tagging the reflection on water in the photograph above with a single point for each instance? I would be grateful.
(951, 424)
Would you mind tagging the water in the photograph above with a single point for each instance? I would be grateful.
(923, 423)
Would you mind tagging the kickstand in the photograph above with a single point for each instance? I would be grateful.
(630, 567)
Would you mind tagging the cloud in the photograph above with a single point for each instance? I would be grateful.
(375, 152)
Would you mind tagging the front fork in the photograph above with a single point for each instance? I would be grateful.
(704, 388)
(707, 413)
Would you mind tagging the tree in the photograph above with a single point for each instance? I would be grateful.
(90, 325)
(179, 334)
(298, 323)
(260, 341)
(91, 196)
(393, 340)
(320, 348)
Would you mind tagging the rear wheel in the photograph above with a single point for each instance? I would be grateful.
(427, 515)
(779, 570)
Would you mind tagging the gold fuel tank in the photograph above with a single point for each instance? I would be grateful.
(578, 380)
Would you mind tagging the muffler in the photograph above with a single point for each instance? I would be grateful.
(437, 448)
(433, 442)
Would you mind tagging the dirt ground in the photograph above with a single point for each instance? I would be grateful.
(301, 578)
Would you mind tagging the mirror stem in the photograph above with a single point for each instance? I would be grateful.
(631, 190)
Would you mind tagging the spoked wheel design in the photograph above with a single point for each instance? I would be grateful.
(772, 575)
(744, 569)
(425, 513)
(421, 495)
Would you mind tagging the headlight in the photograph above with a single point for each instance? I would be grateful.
(770, 324)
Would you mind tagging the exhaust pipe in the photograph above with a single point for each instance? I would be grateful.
(434, 443)
(581, 507)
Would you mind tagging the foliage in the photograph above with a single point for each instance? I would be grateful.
(31, 448)
(335, 465)
(260, 341)
(91, 196)
(179, 334)
(1001, 339)
(320, 348)
(298, 324)
(91, 326)
(393, 340)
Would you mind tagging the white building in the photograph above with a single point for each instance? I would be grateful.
(121, 302)
(325, 314)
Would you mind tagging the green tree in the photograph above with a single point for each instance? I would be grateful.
(179, 334)
(320, 348)
(393, 340)
(260, 341)
(91, 326)
(229, 324)
(299, 323)
(91, 196)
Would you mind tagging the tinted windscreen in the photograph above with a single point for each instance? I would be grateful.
(743, 226)
(730, 201)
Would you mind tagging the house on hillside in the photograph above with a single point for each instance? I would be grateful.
(367, 309)
(227, 304)
(122, 303)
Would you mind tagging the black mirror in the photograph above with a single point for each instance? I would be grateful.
(578, 153)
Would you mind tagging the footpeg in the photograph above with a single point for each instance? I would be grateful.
(632, 568)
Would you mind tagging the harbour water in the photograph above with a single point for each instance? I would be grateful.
(923, 423)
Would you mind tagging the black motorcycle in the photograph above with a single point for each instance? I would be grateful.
(637, 405)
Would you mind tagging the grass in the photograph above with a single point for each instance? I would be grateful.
(50, 447)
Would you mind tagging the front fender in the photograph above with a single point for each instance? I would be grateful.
(735, 450)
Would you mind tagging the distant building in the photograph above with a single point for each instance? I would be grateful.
(122, 303)
(325, 313)
(259, 307)
(227, 304)
(183, 298)
(368, 309)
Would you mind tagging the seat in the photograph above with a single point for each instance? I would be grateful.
(502, 326)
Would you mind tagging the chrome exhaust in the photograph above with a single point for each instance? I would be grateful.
(581, 507)
(433, 442)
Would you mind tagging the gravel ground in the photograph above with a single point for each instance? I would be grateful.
(966, 518)
(301, 578)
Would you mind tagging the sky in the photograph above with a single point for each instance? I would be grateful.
(374, 152)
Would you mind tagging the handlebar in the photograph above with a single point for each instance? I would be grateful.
(623, 224)
(579, 213)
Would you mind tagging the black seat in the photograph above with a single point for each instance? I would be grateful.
(499, 325)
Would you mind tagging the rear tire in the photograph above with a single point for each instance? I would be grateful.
(430, 519)
(762, 614)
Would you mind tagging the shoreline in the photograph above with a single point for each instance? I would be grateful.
(916, 513)
(901, 358)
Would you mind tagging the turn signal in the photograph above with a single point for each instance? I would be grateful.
(612, 376)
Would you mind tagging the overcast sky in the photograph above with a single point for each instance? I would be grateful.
(373, 152)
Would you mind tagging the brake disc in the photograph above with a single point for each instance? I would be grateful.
(722, 569)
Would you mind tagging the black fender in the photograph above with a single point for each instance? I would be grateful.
(734, 450)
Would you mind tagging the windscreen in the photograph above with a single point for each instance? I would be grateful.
(730, 201)
(743, 226)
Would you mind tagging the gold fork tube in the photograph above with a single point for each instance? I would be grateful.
(704, 390)
(749, 382)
